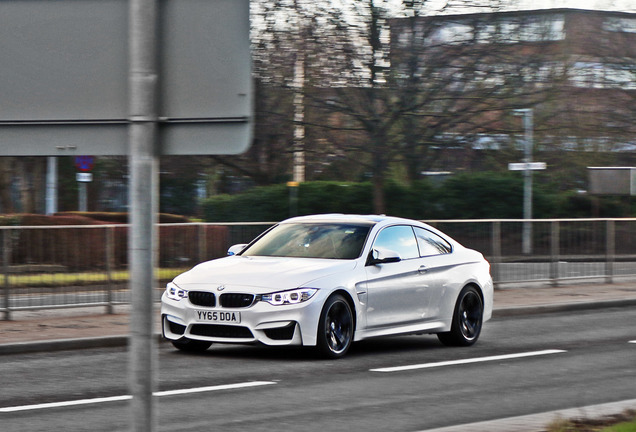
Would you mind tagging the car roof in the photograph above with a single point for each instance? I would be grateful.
(349, 218)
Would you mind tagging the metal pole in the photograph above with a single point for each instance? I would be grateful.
(299, 118)
(555, 251)
(82, 205)
(202, 242)
(293, 198)
(6, 250)
(496, 252)
(610, 250)
(143, 138)
(109, 235)
(527, 182)
(51, 185)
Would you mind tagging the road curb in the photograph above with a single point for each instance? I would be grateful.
(564, 307)
(66, 344)
(63, 344)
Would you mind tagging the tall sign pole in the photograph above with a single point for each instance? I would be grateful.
(143, 166)
(528, 167)
(527, 183)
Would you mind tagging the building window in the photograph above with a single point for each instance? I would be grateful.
(528, 29)
(452, 34)
(623, 25)
(602, 76)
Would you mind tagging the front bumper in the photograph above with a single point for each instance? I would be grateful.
(260, 323)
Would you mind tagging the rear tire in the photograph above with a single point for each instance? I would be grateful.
(335, 328)
(467, 319)
(189, 345)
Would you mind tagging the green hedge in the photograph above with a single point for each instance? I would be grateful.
(274, 203)
(484, 195)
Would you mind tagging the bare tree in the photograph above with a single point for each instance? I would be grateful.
(27, 173)
(6, 175)
(419, 84)
(388, 84)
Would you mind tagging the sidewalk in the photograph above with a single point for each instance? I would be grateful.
(31, 331)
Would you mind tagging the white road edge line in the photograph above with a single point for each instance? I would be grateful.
(129, 397)
(467, 361)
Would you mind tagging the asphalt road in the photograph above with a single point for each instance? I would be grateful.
(520, 366)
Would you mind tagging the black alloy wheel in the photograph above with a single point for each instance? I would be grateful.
(335, 329)
(467, 319)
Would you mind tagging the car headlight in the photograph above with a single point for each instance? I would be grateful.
(288, 297)
(173, 292)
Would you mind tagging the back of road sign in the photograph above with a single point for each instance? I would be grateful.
(527, 166)
(612, 180)
(65, 77)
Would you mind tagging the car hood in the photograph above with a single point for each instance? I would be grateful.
(261, 273)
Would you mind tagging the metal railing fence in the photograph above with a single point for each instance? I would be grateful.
(562, 250)
(73, 266)
(49, 267)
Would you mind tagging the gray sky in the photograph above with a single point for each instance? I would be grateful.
(609, 5)
(606, 5)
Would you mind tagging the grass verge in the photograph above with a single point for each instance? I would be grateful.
(624, 422)
(81, 278)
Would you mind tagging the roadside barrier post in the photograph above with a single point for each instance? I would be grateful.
(555, 239)
(110, 258)
(495, 260)
(6, 235)
(610, 250)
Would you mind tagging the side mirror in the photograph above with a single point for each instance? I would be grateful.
(383, 256)
(236, 249)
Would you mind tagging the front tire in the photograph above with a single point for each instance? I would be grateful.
(467, 319)
(335, 328)
(190, 345)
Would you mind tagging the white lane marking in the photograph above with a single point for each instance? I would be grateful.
(214, 388)
(65, 404)
(634, 342)
(467, 361)
(129, 397)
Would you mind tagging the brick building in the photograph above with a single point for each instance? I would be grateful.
(575, 68)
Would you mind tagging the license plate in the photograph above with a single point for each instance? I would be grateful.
(219, 316)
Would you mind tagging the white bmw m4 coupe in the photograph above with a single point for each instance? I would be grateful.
(326, 281)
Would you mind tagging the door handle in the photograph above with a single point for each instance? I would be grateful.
(423, 269)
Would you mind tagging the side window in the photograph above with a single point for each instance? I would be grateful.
(430, 243)
(400, 239)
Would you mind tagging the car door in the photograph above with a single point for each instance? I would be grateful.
(398, 292)
(440, 266)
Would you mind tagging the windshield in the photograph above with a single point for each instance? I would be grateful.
(311, 240)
